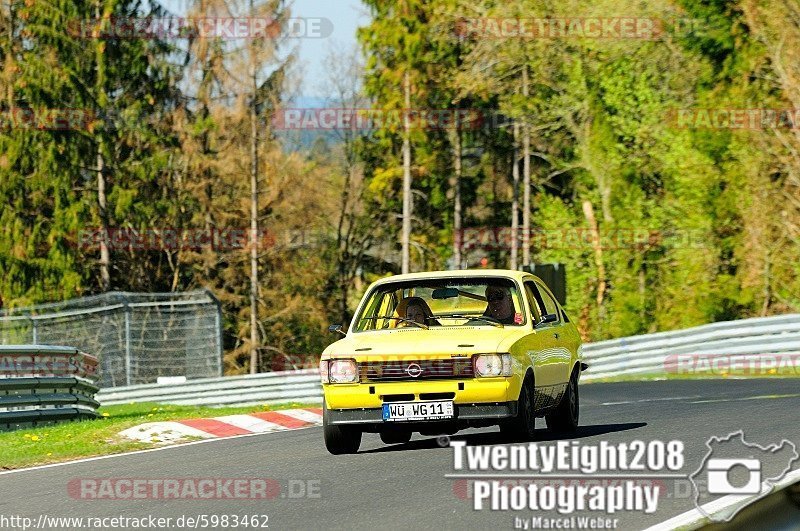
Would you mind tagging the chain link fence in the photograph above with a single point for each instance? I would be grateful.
(136, 336)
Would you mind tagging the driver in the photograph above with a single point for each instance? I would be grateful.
(500, 306)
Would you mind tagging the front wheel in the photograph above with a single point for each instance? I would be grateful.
(564, 417)
(523, 426)
(339, 439)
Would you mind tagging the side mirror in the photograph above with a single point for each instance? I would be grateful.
(549, 318)
(336, 328)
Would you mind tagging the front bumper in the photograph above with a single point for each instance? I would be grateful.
(463, 413)
(372, 395)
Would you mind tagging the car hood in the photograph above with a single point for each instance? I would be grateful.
(421, 343)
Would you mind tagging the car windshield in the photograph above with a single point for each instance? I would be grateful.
(432, 303)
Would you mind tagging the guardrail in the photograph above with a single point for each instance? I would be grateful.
(747, 341)
(739, 344)
(45, 384)
(251, 390)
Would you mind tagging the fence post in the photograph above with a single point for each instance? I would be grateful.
(127, 344)
(218, 328)
(35, 331)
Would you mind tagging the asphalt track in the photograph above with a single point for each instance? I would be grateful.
(404, 486)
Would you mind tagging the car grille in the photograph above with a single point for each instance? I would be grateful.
(380, 371)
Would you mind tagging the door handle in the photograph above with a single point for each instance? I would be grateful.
(555, 335)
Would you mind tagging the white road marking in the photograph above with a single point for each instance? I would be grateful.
(250, 423)
(762, 397)
(665, 399)
(302, 414)
(163, 431)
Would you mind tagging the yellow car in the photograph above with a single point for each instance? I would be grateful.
(442, 351)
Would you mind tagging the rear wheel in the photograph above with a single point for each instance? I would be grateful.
(339, 439)
(396, 436)
(523, 426)
(564, 417)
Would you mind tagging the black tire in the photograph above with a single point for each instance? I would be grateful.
(564, 418)
(522, 427)
(339, 439)
(396, 436)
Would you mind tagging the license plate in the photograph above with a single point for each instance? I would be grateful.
(400, 411)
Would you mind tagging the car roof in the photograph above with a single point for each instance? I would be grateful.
(460, 273)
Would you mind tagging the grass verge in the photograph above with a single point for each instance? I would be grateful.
(75, 440)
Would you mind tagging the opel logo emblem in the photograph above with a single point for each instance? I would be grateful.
(413, 370)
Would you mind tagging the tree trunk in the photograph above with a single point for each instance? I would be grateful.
(253, 241)
(254, 341)
(526, 179)
(10, 60)
(406, 238)
(515, 200)
(643, 293)
(588, 212)
(767, 290)
(457, 196)
(102, 205)
(343, 241)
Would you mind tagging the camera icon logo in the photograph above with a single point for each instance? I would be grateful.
(720, 471)
(735, 472)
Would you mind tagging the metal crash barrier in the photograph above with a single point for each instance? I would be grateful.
(42, 384)
(752, 345)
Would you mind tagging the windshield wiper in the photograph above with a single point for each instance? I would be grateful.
(401, 319)
(491, 320)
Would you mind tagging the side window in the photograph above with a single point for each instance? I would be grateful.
(550, 305)
(534, 301)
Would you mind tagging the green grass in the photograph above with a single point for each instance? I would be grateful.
(74, 440)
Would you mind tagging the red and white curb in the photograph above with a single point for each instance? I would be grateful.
(227, 426)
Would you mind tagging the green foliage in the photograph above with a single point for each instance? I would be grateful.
(600, 111)
(696, 224)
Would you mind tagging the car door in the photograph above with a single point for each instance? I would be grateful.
(570, 338)
(557, 356)
(541, 347)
